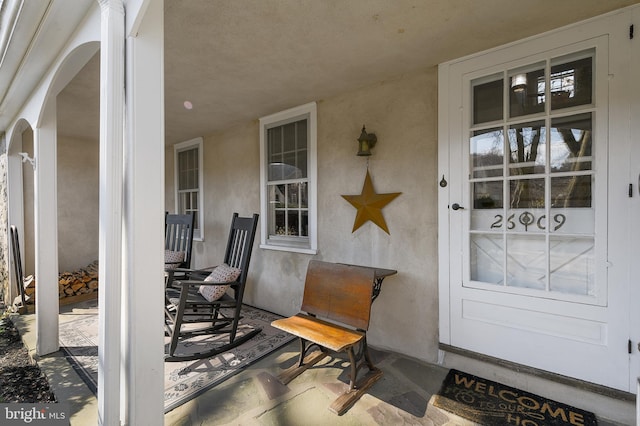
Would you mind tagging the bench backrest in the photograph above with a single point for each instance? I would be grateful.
(339, 293)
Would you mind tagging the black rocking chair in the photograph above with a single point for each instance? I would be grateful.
(188, 313)
(178, 238)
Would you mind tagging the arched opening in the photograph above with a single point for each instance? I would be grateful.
(20, 201)
(78, 143)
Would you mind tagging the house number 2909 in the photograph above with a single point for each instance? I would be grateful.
(527, 219)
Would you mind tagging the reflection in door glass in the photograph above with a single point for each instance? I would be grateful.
(571, 191)
(523, 96)
(487, 205)
(571, 143)
(527, 148)
(487, 99)
(532, 213)
(487, 195)
(486, 149)
(526, 194)
(571, 82)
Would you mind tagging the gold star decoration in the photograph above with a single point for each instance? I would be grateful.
(369, 205)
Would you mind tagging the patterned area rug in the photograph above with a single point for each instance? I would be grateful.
(182, 380)
(493, 404)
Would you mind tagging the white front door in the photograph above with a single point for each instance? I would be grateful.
(535, 255)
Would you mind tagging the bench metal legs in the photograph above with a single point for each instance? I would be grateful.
(359, 360)
(358, 357)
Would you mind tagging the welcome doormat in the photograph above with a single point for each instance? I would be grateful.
(490, 403)
(182, 380)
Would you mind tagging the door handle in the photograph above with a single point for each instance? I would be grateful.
(456, 206)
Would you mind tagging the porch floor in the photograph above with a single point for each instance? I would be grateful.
(253, 397)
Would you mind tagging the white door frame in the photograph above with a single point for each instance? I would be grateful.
(451, 109)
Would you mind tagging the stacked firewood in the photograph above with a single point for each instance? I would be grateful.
(81, 281)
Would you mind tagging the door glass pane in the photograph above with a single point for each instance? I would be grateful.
(571, 82)
(487, 258)
(523, 94)
(571, 221)
(527, 148)
(487, 195)
(526, 194)
(527, 206)
(571, 191)
(571, 143)
(572, 265)
(532, 215)
(487, 99)
(526, 261)
(487, 205)
(486, 149)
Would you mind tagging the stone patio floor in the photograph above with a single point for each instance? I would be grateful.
(255, 397)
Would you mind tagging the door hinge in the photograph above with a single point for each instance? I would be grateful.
(629, 346)
(630, 190)
(631, 32)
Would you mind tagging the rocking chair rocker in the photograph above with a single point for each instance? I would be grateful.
(189, 313)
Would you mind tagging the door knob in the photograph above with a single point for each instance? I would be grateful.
(456, 206)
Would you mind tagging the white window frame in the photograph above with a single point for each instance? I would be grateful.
(310, 244)
(198, 232)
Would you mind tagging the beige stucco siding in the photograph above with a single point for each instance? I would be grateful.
(28, 236)
(402, 113)
(78, 201)
(78, 176)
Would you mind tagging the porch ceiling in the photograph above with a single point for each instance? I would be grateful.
(238, 60)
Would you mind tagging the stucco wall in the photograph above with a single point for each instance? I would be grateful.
(78, 202)
(5, 263)
(28, 239)
(402, 112)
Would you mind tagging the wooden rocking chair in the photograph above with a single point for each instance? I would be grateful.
(188, 313)
(178, 242)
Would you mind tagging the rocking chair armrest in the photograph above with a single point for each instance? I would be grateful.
(198, 273)
(190, 283)
(203, 271)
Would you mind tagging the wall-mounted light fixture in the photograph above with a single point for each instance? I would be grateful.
(25, 158)
(366, 141)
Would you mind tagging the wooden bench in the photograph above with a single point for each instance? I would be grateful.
(335, 316)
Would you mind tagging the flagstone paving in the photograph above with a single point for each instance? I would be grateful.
(255, 397)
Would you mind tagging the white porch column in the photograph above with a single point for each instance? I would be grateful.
(111, 193)
(46, 233)
(143, 345)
